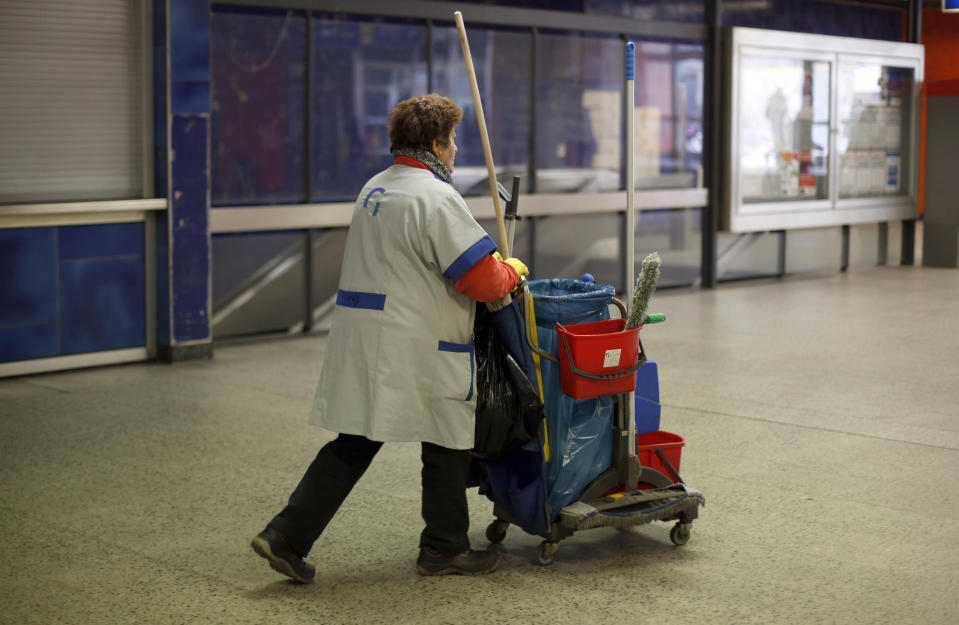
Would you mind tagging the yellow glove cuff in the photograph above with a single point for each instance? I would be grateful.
(518, 265)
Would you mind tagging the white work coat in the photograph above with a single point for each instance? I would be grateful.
(399, 365)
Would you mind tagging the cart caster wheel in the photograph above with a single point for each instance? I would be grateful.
(680, 533)
(545, 552)
(496, 531)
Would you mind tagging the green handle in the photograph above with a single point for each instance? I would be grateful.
(654, 318)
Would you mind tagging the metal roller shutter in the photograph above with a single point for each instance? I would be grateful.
(72, 107)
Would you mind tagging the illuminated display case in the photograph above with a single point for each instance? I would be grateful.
(821, 130)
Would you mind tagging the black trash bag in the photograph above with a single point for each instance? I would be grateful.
(508, 409)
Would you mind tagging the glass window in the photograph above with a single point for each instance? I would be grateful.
(670, 10)
(501, 59)
(784, 128)
(579, 95)
(873, 129)
(360, 70)
(676, 234)
(554, 5)
(847, 19)
(669, 115)
(257, 65)
(257, 283)
(570, 254)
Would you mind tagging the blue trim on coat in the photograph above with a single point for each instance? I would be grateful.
(359, 299)
(466, 260)
(446, 346)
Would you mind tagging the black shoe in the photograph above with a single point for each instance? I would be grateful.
(467, 563)
(271, 545)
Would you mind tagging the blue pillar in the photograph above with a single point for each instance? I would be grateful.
(182, 128)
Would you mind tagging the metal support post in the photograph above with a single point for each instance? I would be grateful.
(781, 264)
(308, 279)
(844, 258)
(914, 34)
(713, 116)
(883, 251)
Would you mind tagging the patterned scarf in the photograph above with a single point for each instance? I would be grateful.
(429, 159)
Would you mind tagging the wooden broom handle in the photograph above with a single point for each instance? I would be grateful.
(481, 121)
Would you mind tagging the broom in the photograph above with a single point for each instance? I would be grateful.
(484, 135)
(504, 240)
(487, 152)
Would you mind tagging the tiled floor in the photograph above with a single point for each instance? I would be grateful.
(821, 421)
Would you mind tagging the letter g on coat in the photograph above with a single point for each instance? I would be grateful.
(376, 206)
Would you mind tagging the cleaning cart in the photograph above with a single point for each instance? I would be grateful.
(600, 459)
(589, 465)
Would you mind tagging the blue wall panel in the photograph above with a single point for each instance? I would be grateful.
(190, 229)
(28, 276)
(190, 40)
(26, 342)
(190, 56)
(71, 290)
(190, 96)
(182, 54)
(102, 304)
(101, 240)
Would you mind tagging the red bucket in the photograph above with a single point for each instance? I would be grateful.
(672, 446)
(598, 358)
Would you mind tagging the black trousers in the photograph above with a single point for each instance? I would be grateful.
(338, 467)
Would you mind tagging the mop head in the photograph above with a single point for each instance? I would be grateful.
(581, 516)
(645, 286)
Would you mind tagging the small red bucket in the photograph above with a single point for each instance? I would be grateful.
(672, 446)
(598, 358)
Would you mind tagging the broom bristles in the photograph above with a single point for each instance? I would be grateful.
(645, 286)
(500, 304)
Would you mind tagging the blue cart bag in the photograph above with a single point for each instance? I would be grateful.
(580, 432)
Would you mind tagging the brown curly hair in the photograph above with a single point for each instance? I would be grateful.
(416, 122)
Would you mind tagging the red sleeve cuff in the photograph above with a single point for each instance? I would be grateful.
(488, 280)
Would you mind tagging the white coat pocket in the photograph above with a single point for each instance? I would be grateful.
(455, 372)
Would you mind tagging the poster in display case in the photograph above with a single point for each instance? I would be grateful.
(821, 130)
(873, 101)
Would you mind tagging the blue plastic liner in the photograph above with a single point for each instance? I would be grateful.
(580, 432)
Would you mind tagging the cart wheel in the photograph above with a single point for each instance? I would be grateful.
(680, 533)
(545, 552)
(496, 531)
